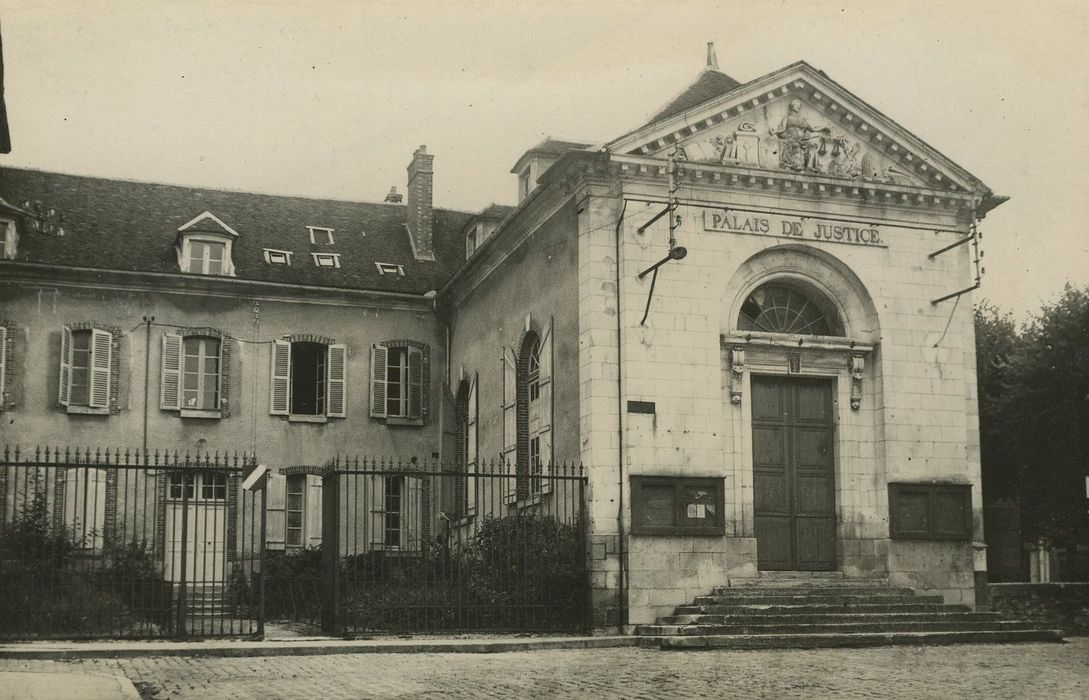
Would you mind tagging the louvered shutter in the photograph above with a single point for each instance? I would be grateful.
(170, 374)
(412, 513)
(379, 358)
(377, 510)
(3, 361)
(510, 424)
(313, 510)
(280, 401)
(336, 381)
(101, 360)
(415, 384)
(65, 365)
(275, 510)
(472, 447)
(546, 405)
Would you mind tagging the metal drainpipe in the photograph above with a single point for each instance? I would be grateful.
(620, 552)
(147, 371)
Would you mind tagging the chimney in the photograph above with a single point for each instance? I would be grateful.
(712, 59)
(394, 197)
(420, 177)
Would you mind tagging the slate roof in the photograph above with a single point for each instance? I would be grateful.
(124, 225)
(710, 84)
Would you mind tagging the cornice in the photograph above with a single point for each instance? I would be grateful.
(191, 285)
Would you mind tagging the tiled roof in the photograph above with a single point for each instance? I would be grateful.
(123, 225)
(709, 85)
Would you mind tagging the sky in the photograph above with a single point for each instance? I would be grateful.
(329, 98)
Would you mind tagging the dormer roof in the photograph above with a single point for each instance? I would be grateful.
(134, 226)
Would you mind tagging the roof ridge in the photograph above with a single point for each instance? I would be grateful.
(278, 195)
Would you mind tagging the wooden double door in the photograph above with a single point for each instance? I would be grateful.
(793, 474)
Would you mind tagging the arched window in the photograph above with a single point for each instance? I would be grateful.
(462, 457)
(785, 306)
(529, 417)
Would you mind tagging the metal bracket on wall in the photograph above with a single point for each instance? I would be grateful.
(973, 237)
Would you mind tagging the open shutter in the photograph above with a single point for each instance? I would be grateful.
(379, 358)
(170, 374)
(415, 384)
(377, 510)
(101, 360)
(412, 513)
(545, 431)
(335, 381)
(280, 401)
(313, 511)
(3, 361)
(473, 448)
(275, 510)
(65, 365)
(510, 424)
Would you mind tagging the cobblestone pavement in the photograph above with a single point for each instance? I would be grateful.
(1049, 671)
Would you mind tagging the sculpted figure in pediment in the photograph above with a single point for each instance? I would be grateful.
(800, 143)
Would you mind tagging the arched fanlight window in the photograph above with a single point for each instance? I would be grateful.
(779, 307)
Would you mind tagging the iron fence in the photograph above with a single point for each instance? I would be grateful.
(134, 543)
(419, 547)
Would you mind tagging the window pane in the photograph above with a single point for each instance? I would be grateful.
(294, 519)
(215, 251)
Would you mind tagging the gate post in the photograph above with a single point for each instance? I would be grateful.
(330, 550)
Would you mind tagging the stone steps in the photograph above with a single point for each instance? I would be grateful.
(826, 610)
(804, 608)
(831, 618)
(780, 627)
(849, 639)
(816, 599)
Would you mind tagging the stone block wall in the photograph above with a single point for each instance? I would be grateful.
(1062, 606)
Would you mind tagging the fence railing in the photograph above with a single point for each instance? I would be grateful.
(128, 543)
(410, 546)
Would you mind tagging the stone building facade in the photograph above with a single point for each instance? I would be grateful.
(750, 319)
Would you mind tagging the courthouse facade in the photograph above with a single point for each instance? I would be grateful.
(749, 318)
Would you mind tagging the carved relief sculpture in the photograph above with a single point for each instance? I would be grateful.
(800, 143)
(737, 373)
(858, 367)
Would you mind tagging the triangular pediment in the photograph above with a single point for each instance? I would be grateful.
(797, 120)
(207, 222)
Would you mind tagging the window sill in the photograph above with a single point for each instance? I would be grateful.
(197, 413)
(394, 550)
(534, 500)
(302, 418)
(87, 411)
(397, 420)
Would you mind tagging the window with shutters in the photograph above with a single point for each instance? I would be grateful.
(192, 374)
(87, 370)
(9, 240)
(400, 382)
(530, 414)
(308, 379)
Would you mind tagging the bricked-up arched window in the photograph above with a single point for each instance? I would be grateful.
(787, 307)
(529, 416)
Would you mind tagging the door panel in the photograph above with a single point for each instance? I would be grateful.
(793, 473)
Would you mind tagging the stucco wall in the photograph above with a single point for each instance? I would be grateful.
(538, 279)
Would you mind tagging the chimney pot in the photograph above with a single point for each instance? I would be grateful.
(394, 197)
(712, 59)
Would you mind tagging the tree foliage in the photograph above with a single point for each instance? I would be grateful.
(1034, 415)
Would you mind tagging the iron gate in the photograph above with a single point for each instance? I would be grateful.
(424, 548)
(128, 544)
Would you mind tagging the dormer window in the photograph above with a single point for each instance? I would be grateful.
(326, 259)
(277, 257)
(319, 235)
(390, 269)
(206, 257)
(204, 246)
(9, 239)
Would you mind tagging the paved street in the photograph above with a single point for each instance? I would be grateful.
(1034, 670)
